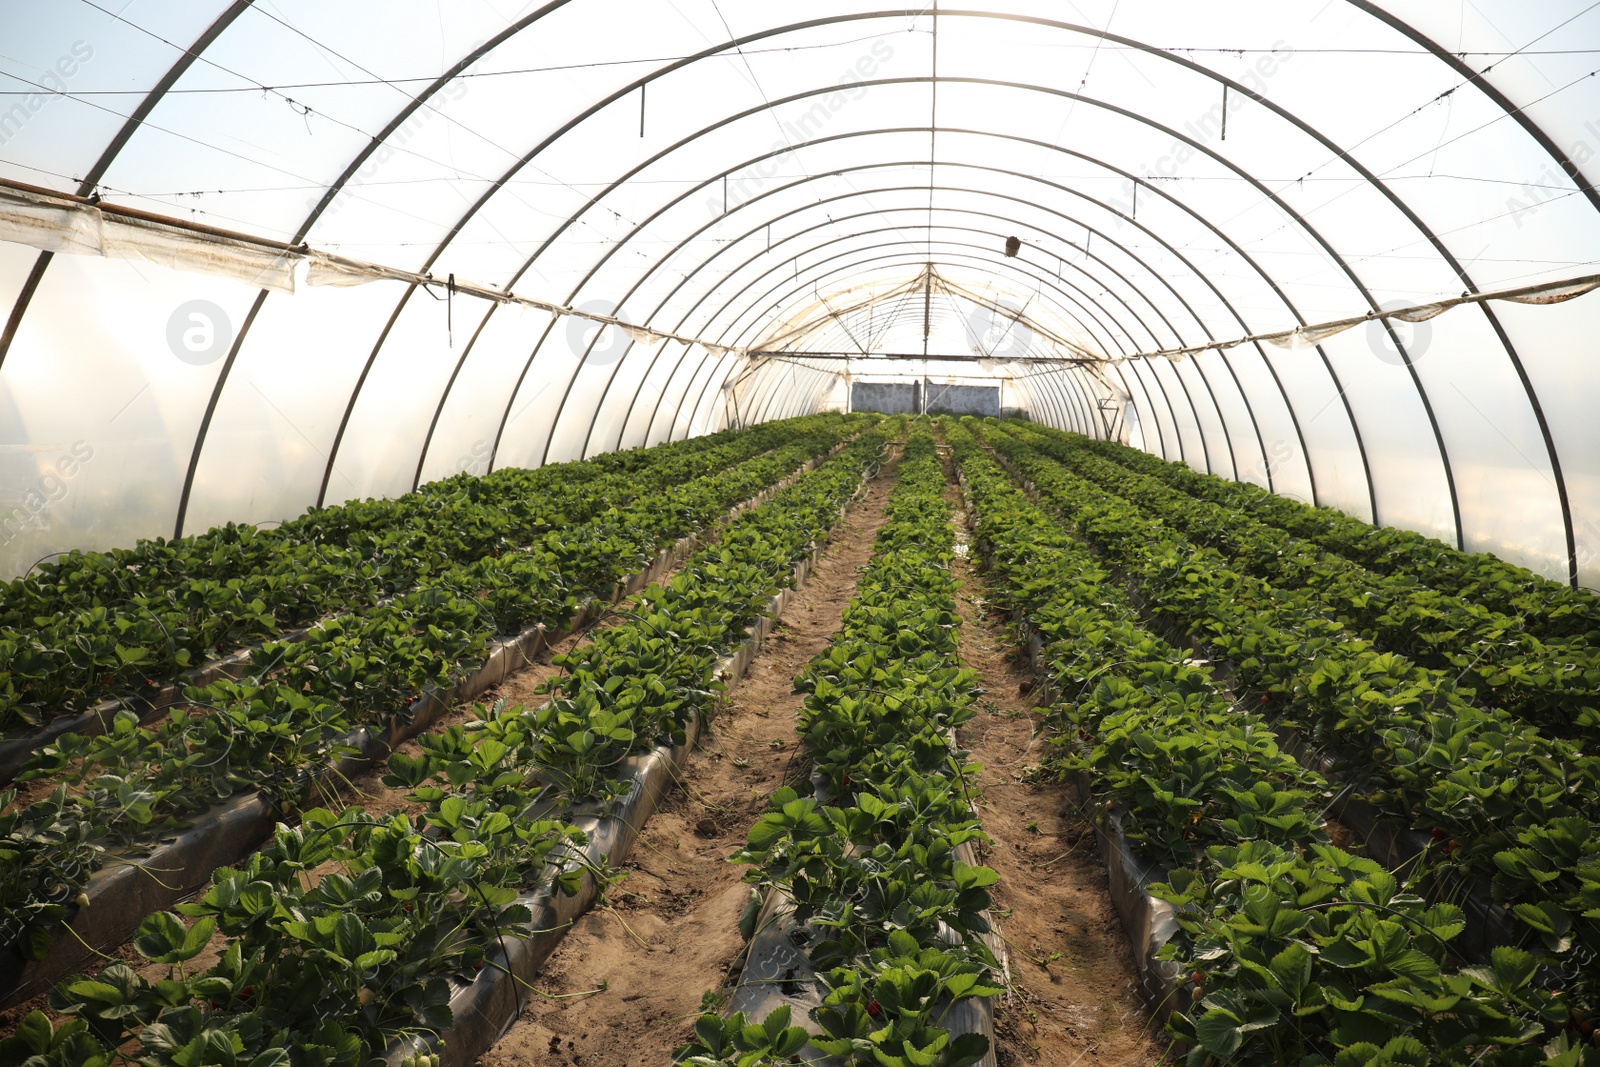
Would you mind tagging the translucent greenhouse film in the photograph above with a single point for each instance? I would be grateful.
(230, 233)
(323, 325)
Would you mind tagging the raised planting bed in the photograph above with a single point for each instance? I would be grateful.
(486, 1007)
(1295, 951)
(1389, 840)
(866, 929)
(135, 884)
(134, 619)
(369, 949)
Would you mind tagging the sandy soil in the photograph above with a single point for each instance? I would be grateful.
(1072, 997)
(626, 985)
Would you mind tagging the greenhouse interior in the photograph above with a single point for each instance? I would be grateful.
(629, 533)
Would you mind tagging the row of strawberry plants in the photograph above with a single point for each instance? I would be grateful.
(332, 970)
(1549, 607)
(1510, 810)
(1294, 951)
(1553, 681)
(120, 625)
(273, 732)
(889, 916)
(523, 496)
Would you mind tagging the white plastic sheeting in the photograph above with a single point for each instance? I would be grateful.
(57, 225)
(708, 170)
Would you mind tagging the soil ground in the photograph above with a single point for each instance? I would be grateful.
(1072, 997)
(626, 984)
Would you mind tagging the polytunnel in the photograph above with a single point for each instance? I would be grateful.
(725, 533)
(258, 259)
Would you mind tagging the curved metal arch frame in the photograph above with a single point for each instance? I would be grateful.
(1224, 422)
(907, 257)
(628, 417)
(946, 209)
(800, 286)
(573, 376)
(1494, 94)
(300, 233)
(569, 222)
(113, 148)
(1397, 202)
(1024, 87)
(1422, 393)
(823, 380)
(1265, 277)
(911, 258)
(1127, 333)
(1496, 97)
(1505, 104)
(683, 396)
(915, 258)
(1423, 396)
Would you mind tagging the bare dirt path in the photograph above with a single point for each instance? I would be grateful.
(1073, 998)
(671, 928)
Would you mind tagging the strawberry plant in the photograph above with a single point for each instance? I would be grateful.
(1547, 607)
(339, 936)
(1551, 680)
(120, 625)
(130, 786)
(738, 1042)
(1298, 952)
(886, 1012)
(873, 873)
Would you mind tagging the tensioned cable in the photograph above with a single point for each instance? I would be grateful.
(429, 105)
(1448, 92)
(355, 83)
(307, 110)
(779, 176)
(765, 99)
(1192, 50)
(1566, 191)
(1345, 153)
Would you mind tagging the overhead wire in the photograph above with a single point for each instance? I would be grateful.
(424, 79)
(257, 85)
(1344, 152)
(1099, 42)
